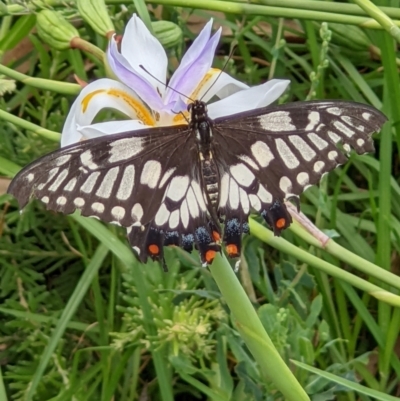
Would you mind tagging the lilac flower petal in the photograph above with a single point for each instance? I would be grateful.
(178, 106)
(140, 47)
(126, 74)
(101, 94)
(110, 128)
(195, 64)
(249, 99)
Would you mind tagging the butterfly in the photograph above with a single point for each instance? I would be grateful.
(177, 185)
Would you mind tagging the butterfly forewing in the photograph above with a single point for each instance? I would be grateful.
(268, 155)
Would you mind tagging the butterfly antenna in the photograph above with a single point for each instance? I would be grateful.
(223, 69)
(163, 83)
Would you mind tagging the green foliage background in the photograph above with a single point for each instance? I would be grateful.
(81, 320)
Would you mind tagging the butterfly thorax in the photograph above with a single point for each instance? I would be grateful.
(201, 125)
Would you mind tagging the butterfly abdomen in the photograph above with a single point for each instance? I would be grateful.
(210, 177)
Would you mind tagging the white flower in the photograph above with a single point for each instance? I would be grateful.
(142, 94)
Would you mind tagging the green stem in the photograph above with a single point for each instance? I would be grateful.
(79, 43)
(327, 7)
(374, 11)
(343, 254)
(64, 88)
(261, 10)
(281, 244)
(253, 332)
(54, 136)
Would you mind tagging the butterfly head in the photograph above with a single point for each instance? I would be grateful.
(198, 111)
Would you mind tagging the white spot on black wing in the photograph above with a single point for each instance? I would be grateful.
(318, 166)
(59, 179)
(62, 160)
(285, 184)
(262, 153)
(71, 184)
(192, 203)
(320, 143)
(90, 182)
(124, 149)
(162, 215)
(342, 128)
(233, 194)
(106, 186)
(303, 178)
(185, 214)
(264, 195)
(332, 155)
(86, 159)
(127, 182)
(51, 175)
(151, 173)
(335, 138)
(166, 176)
(277, 121)
(199, 195)
(118, 212)
(174, 219)
(313, 118)
(301, 145)
(79, 202)
(242, 175)
(255, 202)
(137, 212)
(286, 154)
(61, 200)
(366, 116)
(334, 110)
(249, 161)
(244, 201)
(98, 207)
(178, 188)
(224, 190)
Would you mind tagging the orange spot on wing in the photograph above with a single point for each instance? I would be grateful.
(154, 249)
(280, 223)
(216, 236)
(210, 255)
(232, 249)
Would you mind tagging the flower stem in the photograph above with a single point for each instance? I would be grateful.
(253, 332)
(54, 136)
(64, 88)
(79, 43)
(343, 254)
(374, 12)
(281, 244)
(311, 5)
(261, 10)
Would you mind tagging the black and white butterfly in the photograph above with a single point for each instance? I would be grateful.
(176, 185)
